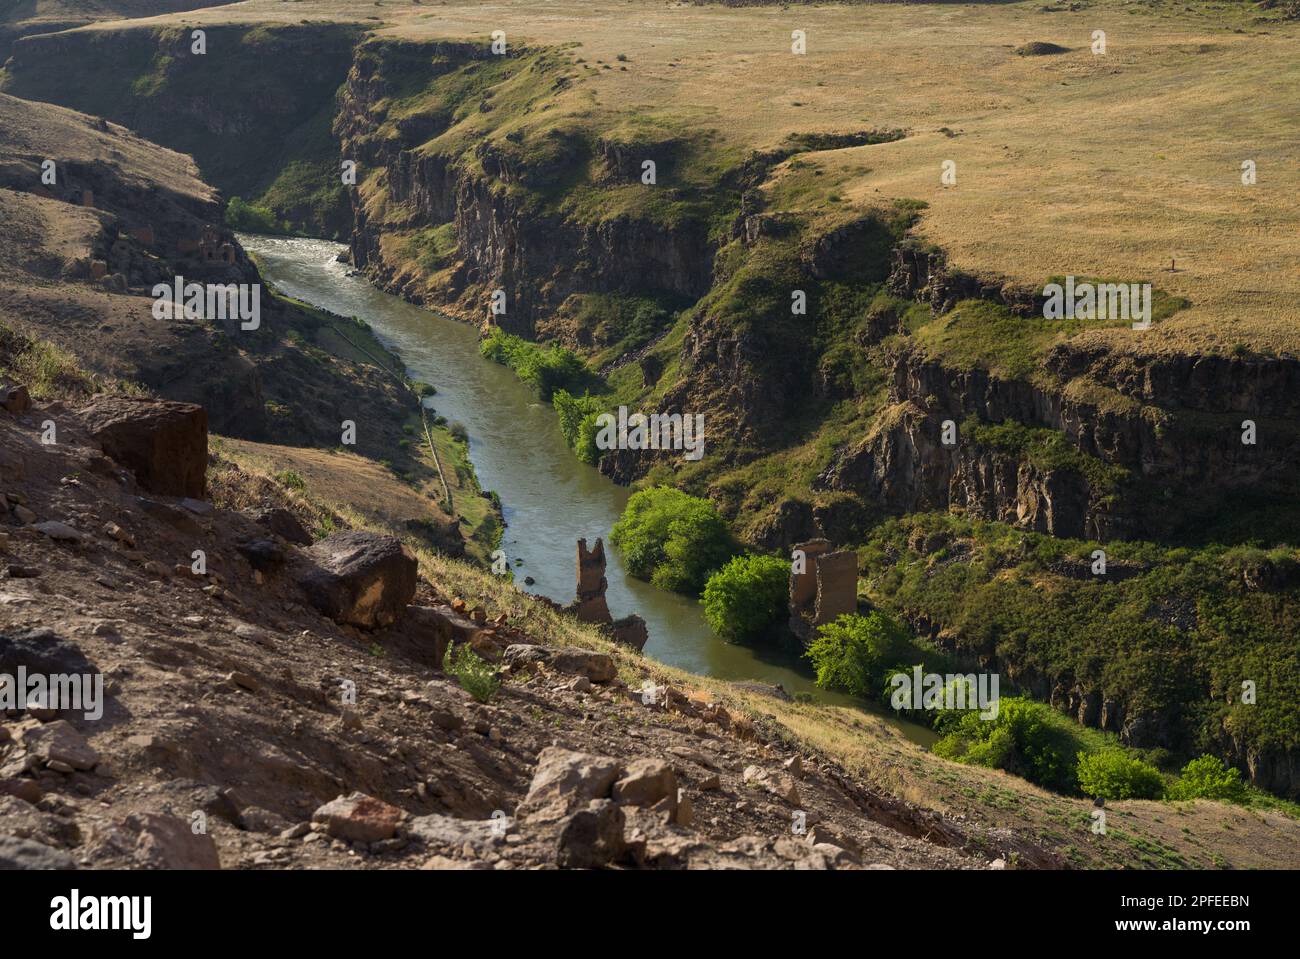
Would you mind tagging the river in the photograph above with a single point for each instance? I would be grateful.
(549, 498)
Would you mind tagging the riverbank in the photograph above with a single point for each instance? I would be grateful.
(549, 499)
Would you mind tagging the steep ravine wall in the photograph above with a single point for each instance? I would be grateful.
(1179, 439)
(503, 241)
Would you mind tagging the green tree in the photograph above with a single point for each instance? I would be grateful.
(1026, 738)
(744, 598)
(1208, 778)
(1114, 774)
(852, 653)
(578, 422)
(672, 539)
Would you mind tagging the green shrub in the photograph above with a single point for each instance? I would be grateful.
(1113, 774)
(458, 431)
(291, 479)
(476, 675)
(853, 653)
(578, 422)
(672, 539)
(1208, 778)
(1026, 738)
(251, 219)
(545, 369)
(744, 598)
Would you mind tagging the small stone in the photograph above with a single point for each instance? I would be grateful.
(685, 814)
(359, 818)
(780, 785)
(59, 742)
(24, 515)
(116, 532)
(60, 532)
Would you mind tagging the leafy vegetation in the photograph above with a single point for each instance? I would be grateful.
(476, 675)
(856, 653)
(578, 422)
(672, 539)
(244, 216)
(1114, 774)
(544, 368)
(1026, 738)
(1207, 778)
(746, 597)
(1168, 635)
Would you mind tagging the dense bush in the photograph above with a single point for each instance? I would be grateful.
(855, 653)
(672, 539)
(544, 368)
(1026, 738)
(578, 422)
(1173, 637)
(1208, 778)
(251, 219)
(744, 598)
(476, 675)
(1113, 774)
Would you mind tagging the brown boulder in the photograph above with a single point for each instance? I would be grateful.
(359, 578)
(15, 399)
(163, 442)
(358, 818)
(646, 782)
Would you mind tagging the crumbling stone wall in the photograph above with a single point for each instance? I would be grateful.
(826, 589)
(591, 606)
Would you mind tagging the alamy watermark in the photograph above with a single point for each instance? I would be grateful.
(1098, 301)
(657, 431)
(72, 692)
(211, 301)
(918, 690)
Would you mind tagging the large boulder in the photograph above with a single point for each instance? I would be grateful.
(359, 578)
(597, 667)
(163, 442)
(565, 780)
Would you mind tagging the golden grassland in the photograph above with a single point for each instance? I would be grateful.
(1106, 166)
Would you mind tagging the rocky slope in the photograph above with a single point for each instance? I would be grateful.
(286, 708)
(227, 704)
(479, 174)
(79, 264)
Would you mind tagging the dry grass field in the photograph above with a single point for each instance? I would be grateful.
(1112, 165)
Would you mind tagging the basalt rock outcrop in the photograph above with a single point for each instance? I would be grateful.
(538, 258)
(164, 443)
(1189, 447)
(359, 578)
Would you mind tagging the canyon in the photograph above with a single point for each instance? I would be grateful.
(481, 174)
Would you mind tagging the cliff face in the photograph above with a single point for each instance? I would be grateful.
(253, 110)
(504, 237)
(1183, 443)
